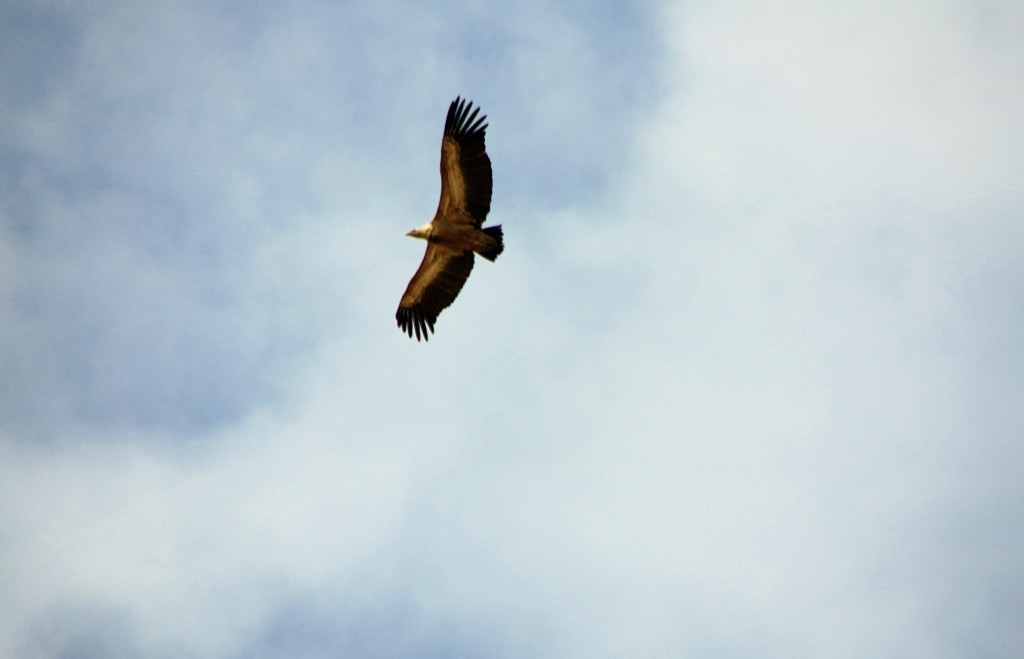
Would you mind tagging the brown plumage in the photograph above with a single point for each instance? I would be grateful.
(456, 232)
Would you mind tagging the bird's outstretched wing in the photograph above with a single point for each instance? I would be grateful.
(465, 168)
(435, 285)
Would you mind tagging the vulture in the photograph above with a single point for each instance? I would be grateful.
(457, 231)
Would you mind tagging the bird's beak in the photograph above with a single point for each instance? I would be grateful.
(408, 233)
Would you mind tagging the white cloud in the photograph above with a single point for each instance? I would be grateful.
(753, 392)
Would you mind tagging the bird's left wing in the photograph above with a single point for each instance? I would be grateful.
(465, 168)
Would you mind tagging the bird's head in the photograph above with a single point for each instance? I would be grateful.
(420, 232)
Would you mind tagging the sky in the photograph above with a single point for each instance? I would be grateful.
(747, 381)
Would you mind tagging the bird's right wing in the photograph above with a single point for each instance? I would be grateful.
(435, 285)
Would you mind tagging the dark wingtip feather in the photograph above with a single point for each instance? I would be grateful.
(462, 119)
(412, 321)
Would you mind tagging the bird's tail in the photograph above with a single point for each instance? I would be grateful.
(499, 244)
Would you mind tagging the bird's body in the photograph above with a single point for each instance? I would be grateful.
(456, 232)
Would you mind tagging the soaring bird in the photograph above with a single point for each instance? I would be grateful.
(456, 232)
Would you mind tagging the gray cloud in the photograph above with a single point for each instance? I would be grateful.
(746, 382)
